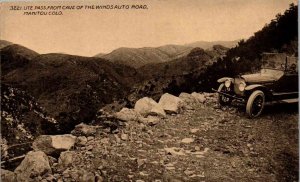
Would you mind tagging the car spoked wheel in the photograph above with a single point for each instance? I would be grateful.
(222, 99)
(255, 104)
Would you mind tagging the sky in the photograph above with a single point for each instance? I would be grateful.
(88, 32)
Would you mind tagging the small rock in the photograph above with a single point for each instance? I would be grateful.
(194, 130)
(187, 140)
(188, 172)
(150, 120)
(84, 129)
(127, 115)
(90, 147)
(90, 138)
(87, 177)
(174, 151)
(88, 153)
(52, 160)
(197, 148)
(8, 176)
(124, 136)
(140, 162)
(142, 173)
(66, 159)
(105, 140)
(81, 141)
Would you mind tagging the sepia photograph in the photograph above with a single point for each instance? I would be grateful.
(149, 91)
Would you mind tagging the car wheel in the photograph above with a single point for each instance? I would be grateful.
(255, 104)
(222, 99)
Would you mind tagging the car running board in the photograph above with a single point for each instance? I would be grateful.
(295, 100)
(284, 93)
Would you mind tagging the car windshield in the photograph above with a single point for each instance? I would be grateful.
(279, 61)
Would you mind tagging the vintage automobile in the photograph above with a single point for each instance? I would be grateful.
(277, 81)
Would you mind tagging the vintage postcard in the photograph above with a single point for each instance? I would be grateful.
(149, 90)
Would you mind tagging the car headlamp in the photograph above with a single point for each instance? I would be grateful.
(227, 83)
(242, 86)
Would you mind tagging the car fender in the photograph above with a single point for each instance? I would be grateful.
(263, 88)
(221, 80)
(255, 86)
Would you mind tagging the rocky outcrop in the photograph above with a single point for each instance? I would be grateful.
(171, 103)
(147, 106)
(54, 144)
(35, 164)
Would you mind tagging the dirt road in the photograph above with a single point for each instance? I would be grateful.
(200, 144)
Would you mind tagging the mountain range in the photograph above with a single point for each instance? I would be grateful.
(138, 57)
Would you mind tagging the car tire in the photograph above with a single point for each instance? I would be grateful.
(255, 104)
(223, 100)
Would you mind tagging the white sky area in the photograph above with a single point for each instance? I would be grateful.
(89, 32)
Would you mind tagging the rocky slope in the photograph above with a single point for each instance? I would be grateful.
(70, 88)
(201, 142)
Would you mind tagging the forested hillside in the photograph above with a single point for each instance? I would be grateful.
(280, 35)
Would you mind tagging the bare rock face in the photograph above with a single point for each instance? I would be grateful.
(147, 106)
(54, 144)
(35, 164)
(84, 129)
(127, 115)
(171, 103)
(8, 176)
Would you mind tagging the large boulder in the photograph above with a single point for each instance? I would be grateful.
(199, 97)
(127, 115)
(35, 164)
(54, 144)
(187, 98)
(84, 129)
(147, 106)
(171, 103)
(8, 176)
